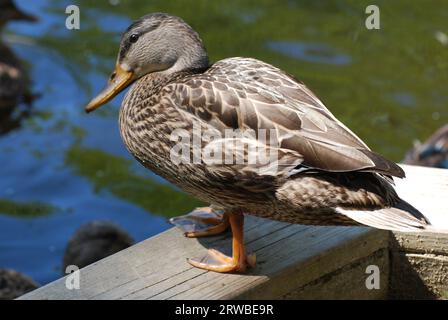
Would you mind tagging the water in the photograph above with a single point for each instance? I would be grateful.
(62, 168)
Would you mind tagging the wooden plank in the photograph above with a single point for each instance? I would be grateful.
(348, 282)
(156, 268)
(294, 261)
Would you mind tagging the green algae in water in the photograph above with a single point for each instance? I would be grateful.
(26, 209)
(404, 57)
(114, 174)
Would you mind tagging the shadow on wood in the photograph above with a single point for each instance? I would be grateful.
(419, 266)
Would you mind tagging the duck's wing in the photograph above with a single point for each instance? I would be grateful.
(241, 93)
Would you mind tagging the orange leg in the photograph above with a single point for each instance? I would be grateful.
(202, 222)
(219, 262)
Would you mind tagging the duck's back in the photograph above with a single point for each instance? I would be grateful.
(323, 167)
(245, 93)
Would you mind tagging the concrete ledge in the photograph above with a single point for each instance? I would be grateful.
(419, 266)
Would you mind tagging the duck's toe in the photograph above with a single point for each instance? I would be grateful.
(202, 222)
(216, 261)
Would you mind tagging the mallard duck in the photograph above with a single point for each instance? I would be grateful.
(323, 173)
(94, 241)
(13, 284)
(432, 153)
(12, 80)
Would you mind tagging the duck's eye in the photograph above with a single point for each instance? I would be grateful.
(133, 38)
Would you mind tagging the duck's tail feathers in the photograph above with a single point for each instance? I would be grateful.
(400, 217)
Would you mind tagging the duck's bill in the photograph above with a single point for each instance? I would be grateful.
(119, 80)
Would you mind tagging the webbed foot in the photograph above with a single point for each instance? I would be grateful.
(202, 222)
(219, 262)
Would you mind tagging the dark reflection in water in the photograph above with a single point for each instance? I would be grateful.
(9, 120)
(62, 168)
(13, 79)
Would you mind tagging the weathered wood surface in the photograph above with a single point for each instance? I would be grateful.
(289, 257)
(294, 261)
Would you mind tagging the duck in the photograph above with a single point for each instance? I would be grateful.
(12, 77)
(432, 153)
(14, 284)
(93, 241)
(247, 138)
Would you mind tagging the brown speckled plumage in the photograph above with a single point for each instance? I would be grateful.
(247, 93)
(326, 175)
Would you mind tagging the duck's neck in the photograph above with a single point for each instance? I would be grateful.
(144, 121)
(146, 91)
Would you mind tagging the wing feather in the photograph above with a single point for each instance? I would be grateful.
(243, 93)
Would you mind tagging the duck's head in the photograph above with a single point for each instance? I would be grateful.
(156, 42)
(9, 11)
